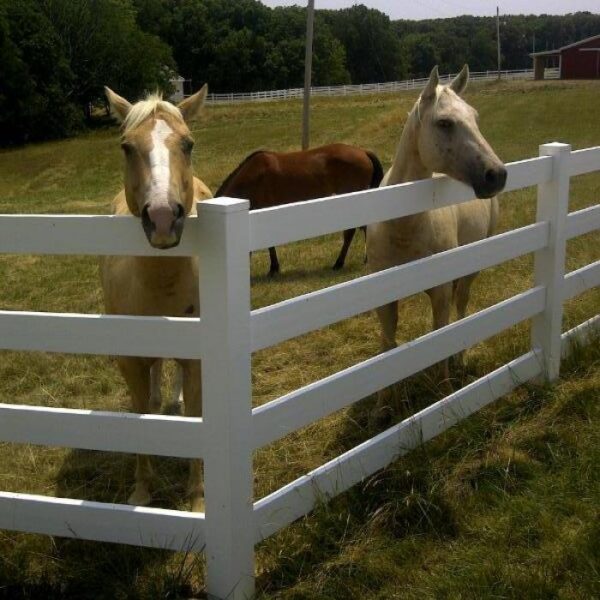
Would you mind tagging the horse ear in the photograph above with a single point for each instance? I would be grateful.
(434, 79)
(119, 107)
(459, 83)
(190, 107)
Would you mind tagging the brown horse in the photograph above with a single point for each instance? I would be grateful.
(269, 179)
(161, 190)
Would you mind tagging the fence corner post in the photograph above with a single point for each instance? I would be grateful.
(549, 264)
(227, 397)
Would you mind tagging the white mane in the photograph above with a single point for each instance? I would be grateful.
(141, 110)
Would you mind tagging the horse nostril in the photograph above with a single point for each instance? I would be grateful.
(146, 220)
(178, 212)
(495, 178)
(490, 177)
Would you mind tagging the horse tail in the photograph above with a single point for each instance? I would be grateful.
(377, 170)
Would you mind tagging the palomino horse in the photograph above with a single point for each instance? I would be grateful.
(441, 135)
(272, 178)
(160, 189)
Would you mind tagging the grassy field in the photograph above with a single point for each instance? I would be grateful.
(503, 506)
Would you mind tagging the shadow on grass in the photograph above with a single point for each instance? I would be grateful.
(322, 274)
(78, 569)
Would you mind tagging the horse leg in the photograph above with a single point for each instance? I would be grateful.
(136, 372)
(155, 391)
(441, 302)
(461, 297)
(177, 391)
(364, 230)
(192, 394)
(388, 318)
(341, 259)
(274, 262)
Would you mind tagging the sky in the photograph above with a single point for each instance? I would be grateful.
(432, 9)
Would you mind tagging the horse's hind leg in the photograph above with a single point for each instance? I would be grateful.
(274, 262)
(441, 302)
(192, 394)
(341, 259)
(136, 372)
(461, 297)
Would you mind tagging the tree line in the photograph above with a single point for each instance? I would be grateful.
(56, 55)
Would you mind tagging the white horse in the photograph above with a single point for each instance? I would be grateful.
(441, 135)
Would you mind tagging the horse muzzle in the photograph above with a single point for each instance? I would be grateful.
(491, 182)
(163, 224)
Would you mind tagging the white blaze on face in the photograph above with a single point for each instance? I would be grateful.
(160, 171)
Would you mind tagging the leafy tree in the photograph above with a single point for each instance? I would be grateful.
(34, 76)
(373, 50)
(55, 55)
(105, 46)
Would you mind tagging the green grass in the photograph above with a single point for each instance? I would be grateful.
(503, 506)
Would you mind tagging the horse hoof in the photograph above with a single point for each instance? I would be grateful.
(140, 498)
(337, 266)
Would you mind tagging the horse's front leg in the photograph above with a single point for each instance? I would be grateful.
(136, 372)
(441, 303)
(192, 397)
(155, 387)
(388, 319)
(462, 291)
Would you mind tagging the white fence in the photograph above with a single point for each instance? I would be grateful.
(228, 332)
(368, 88)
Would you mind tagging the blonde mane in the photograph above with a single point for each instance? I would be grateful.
(141, 110)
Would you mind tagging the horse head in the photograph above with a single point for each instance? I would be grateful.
(157, 144)
(449, 140)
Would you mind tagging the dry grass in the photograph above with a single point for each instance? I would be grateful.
(502, 506)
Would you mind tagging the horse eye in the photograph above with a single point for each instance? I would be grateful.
(187, 145)
(445, 124)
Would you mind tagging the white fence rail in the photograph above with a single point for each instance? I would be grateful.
(223, 235)
(368, 88)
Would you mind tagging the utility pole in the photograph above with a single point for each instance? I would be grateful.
(310, 20)
(498, 36)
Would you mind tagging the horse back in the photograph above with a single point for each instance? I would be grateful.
(272, 178)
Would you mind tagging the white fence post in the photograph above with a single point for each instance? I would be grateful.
(226, 400)
(549, 269)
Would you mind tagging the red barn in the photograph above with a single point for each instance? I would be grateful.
(580, 60)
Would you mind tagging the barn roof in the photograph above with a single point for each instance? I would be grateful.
(559, 50)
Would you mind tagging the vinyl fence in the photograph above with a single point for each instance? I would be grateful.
(228, 332)
(369, 88)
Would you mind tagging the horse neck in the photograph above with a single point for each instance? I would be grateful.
(407, 165)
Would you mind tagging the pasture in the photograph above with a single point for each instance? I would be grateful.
(504, 505)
